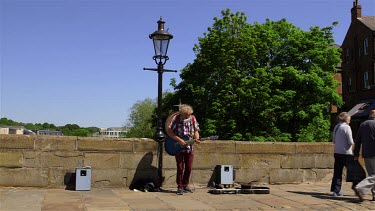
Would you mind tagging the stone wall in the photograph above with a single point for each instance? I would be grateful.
(47, 161)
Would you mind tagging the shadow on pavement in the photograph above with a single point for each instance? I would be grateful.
(161, 190)
(327, 196)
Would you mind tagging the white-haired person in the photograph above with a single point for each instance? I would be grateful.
(184, 125)
(343, 153)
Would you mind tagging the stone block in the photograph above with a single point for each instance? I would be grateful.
(260, 161)
(169, 162)
(90, 144)
(317, 175)
(324, 161)
(138, 160)
(23, 177)
(198, 178)
(52, 143)
(32, 159)
(102, 160)
(201, 177)
(11, 159)
(298, 161)
(328, 148)
(210, 160)
(170, 178)
(309, 148)
(66, 159)
(17, 141)
(45, 159)
(56, 177)
(252, 176)
(265, 148)
(146, 145)
(283, 176)
(216, 146)
(105, 178)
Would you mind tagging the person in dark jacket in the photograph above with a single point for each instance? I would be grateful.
(366, 139)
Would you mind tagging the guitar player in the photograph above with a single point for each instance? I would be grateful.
(184, 124)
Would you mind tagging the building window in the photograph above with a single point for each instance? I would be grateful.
(365, 46)
(365, 80)
(349, 84)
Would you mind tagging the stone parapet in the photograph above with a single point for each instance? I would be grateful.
(47, 161)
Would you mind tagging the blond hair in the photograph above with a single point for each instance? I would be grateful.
(185, 109)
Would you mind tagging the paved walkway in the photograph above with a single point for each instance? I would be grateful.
(281, 197)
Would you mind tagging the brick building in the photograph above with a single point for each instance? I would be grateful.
(358, 66)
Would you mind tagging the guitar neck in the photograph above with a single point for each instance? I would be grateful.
(190, 141)
(202, 139)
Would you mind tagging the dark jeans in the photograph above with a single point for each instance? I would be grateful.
(341, 160)
(184, 162)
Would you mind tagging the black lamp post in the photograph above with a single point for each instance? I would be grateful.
(161, 39)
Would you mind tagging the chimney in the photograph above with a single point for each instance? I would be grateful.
(356, 11)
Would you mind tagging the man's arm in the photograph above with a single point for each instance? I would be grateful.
(196, 136)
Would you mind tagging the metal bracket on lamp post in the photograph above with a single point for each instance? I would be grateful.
(163, 70)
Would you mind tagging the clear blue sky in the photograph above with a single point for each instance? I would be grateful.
(81, 61)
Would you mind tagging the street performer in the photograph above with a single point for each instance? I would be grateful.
(184, 124)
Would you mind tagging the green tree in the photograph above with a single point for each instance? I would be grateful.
(93, 130)
(30, 126)
(141, 119)
(265, 82)
(71, 126)
(81, 132)
(8, 122)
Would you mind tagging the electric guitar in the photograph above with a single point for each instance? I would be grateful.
(172, 147)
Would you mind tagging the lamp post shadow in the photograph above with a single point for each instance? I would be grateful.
(146, 176)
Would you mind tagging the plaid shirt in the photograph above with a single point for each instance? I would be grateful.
(182, 127)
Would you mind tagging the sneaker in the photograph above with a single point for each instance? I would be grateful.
(180, 191)
(338, 193)
(359, 194)
(187, 190)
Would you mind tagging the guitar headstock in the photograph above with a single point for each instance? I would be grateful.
(215, 137)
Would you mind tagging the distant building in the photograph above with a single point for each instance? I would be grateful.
(358, 66)
(19, 130)
(111, 132)
(4, 130)
(49, 133)
(12, 129)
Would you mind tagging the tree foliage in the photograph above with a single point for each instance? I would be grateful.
(141, 119)
(262, 82)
